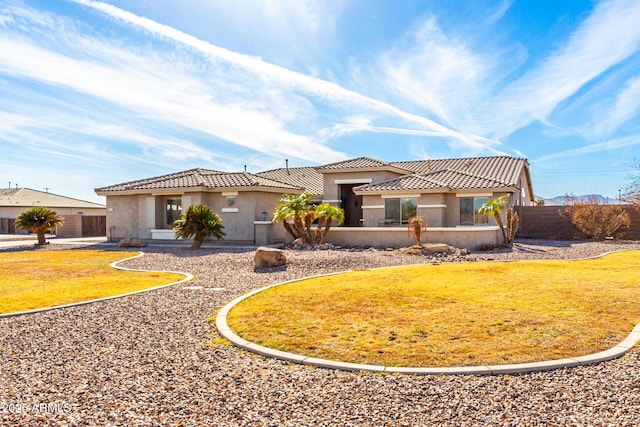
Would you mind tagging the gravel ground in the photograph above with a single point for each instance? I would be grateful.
(148, 360)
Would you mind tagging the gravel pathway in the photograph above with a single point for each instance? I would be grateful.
(148, 360)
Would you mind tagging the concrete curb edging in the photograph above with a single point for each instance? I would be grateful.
(519, 368)
(188, 277)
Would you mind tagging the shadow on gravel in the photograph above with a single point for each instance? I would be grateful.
(270, 270)
(194, 253)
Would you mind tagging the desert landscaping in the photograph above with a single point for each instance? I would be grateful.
(156, 359)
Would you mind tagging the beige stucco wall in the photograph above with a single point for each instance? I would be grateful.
(128, 216)
(122, 217)
(331, 189)
(461, 237)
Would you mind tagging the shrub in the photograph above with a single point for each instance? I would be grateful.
(598, 222)
(199, 222)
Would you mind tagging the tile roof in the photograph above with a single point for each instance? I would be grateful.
(357, 163)
(454, 174)
(204, 178)
(307, 177)
(505, 168)
(463, 173)
(26, 197)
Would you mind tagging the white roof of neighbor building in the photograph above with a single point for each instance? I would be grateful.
(26, 197)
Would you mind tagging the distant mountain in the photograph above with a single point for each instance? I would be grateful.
(561, 200)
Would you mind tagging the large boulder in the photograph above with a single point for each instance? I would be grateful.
(269, 257)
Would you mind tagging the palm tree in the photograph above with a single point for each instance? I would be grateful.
(416, 226)
(199, 222)
(495, 207)
(326, 214)
(39, 220)
(295, 207)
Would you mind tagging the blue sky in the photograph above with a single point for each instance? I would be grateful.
(97, 93)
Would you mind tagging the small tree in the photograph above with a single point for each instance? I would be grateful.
(297, 215)
(295, 208)
(495, 207)
(199, 222)
(596, 221)
(416, 226)
(326, 214)
(39, 220)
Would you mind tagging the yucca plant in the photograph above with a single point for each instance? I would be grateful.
(199, 222)
(39, 220)
(416, 226)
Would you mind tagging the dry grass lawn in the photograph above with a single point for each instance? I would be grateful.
(44, 278)
(466, 314)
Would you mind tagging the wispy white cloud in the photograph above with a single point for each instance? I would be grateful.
(625, 107)
(498, 12)
(607, 37)
(606, 146)
(283, 79)
(447, 75)
(429, 70)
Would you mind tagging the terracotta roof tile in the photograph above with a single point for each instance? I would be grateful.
(306, 177)
(358, 163)
(454, 174)
(204, 178)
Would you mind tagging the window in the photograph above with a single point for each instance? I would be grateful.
(469, 207)
(231, 201)
(173, 210)
(400, 210)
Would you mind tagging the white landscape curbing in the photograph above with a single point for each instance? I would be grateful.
(115, 265)
(519, 368)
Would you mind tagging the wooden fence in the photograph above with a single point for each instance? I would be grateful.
(547, 222)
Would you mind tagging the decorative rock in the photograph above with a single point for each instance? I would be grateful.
(269, 257)
(436, 248)
(299, 243)
(131, 243)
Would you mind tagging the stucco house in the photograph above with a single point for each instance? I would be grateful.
(146, 208)
(378, 199)
(82, 218)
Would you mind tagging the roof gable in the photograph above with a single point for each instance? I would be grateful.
(307, 177)
(360, 164)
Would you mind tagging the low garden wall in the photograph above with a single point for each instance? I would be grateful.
(460, 237)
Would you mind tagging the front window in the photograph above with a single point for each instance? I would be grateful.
(400, 210)
(173, 208)
(469, 207)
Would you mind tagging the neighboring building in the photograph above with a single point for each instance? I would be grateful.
(378, 199)
(82, 218)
